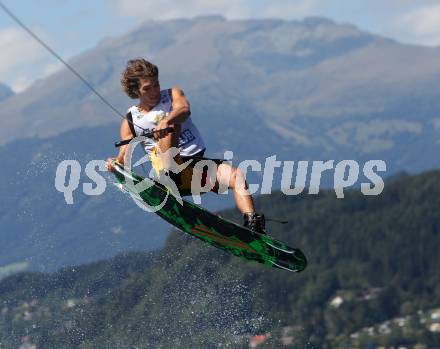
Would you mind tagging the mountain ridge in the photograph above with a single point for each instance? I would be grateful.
(309, 87)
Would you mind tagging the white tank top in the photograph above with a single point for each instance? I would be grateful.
(190, 140)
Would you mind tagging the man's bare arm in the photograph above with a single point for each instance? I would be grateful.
(125, 133)
(180, 112)
(181, 108)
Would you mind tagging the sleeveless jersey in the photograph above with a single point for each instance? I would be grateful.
(190, 140)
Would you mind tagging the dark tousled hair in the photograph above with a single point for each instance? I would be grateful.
(136, 70)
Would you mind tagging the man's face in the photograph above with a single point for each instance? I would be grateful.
(149, 91)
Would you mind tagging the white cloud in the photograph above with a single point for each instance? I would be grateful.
(51, 68)
(421, 25)
(23, 80)
(408, 21)
(21, 83)
(167, 9)
(286, 9)
(16, 48)
(23, 59)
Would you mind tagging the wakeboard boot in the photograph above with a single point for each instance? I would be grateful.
(255, 222)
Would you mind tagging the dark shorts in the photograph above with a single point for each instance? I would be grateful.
(183, 179)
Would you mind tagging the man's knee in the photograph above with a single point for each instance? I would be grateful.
(238, 179)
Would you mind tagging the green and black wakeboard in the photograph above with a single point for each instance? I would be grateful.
(211, 228)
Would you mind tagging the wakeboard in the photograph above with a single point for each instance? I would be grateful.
(211, 228)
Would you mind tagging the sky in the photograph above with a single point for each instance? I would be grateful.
(71, 27)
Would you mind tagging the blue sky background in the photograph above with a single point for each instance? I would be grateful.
(71, 26)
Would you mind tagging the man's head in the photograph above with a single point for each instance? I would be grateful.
(140, 79)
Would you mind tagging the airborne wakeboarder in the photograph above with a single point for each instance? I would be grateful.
(161, 110)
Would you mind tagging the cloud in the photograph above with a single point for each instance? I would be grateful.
(16, 48)
(23, 59)
(408, 21)
(421, 25)
(239, 9)
(25, 79)
(19, 53)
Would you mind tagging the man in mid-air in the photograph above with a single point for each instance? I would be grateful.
(162, 110)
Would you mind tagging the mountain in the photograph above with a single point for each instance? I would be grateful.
(373, 264)
(5, 92)
(303, 90)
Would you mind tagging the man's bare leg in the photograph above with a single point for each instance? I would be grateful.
(230, 177)
(234, 179)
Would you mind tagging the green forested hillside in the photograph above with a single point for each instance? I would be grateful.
(377, 255)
